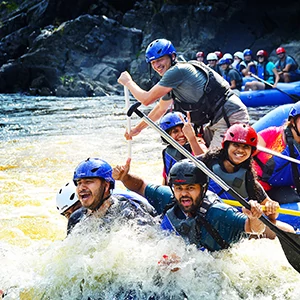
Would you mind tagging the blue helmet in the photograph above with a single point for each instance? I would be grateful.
(247, 52)
(94, 167)
(159, 48)
(224, 61)
(170, 120)
(294, 111)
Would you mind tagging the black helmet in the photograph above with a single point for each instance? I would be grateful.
(186, 172)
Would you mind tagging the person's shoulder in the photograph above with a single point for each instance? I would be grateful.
(151, 187)
(220, 209)
(270, 65)
(243, 64)
(76, 217)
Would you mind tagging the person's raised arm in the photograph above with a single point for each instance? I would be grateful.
(198, 146)
(131, 182)
(155, 114)
(145, 97)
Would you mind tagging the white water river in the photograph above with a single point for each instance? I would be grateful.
(42, 141)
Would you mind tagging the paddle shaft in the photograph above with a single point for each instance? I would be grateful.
(127, 104)
(279, 210)
(293, 97)
(275, 153)
(287, 239)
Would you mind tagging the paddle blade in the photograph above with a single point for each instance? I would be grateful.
(291, 247)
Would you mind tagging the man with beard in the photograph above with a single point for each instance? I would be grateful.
(95, 190)
(199, 217)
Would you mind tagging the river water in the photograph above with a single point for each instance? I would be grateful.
(42, 141)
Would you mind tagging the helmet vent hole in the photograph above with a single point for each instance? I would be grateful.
(72, 196)
(231, 134)
(189, 175)
(94, 170)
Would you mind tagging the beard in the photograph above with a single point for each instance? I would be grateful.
(192, 209)
(98, 198)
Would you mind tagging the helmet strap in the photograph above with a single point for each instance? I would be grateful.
(295, 127)
(102, 199)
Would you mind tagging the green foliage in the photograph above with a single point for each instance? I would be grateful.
(9, 5)
(66, 80)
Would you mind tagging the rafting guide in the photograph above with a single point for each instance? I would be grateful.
(194, 87)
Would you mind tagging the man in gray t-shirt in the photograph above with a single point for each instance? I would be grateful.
(197, 89)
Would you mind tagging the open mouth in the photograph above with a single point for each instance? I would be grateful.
(84, 196)
(186, 202)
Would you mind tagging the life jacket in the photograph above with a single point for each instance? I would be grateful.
(135, 199)
(236, 180)
(282, 64)
(252, 69)
(216, 93)
(278, 171)
(263, 73)
(238, 82)
(138, 201)
(190, 228)
(172, 155)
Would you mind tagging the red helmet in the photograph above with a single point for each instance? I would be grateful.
(280, 50)
(241, 133)
(263, 53)
(219, 54)
(200, 54)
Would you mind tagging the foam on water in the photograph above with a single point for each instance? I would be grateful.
(38, 154)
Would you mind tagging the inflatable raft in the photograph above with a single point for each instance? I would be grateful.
(272, 96)
(278, 117)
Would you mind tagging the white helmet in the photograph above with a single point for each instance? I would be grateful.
(228, 56)
(66, 197)
(211, 56)
(239, 54)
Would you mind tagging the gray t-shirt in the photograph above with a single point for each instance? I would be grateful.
(186, 81)
(188, 84)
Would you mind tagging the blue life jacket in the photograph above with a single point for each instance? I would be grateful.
(135, 199)
(138, 201)
(253, 69)
(190, 228)
(172, 155)
(263, 73)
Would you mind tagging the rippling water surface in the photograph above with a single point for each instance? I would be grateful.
(42, 141)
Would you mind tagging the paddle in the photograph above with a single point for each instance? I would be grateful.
(275, 153)
(295, 98)
(290, 242)
(127, 104)
(279, 210)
